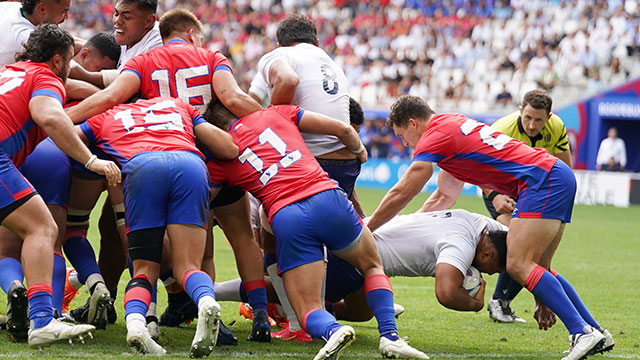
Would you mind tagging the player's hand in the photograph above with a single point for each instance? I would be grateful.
(480, 295)
(107, 168)
(544, 316)
(362, 156)
(504, 204)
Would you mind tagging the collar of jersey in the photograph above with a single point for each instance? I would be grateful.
(232, 123)
(533, 139)
(176, 41)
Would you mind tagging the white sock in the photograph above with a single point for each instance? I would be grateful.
(73, 280)
(228, 290)
(94, 279)
(278, 285)
(136, 322)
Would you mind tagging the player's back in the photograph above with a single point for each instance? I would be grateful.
(19, 82)
(474, 152)
(179, 70)
(159, 124)
(274, 163)
(16, 30)
(323, 88)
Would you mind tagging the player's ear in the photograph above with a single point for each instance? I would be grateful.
(151, 21)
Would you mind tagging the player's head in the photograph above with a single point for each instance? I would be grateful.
(409, 118)
(46, 11)
(612, 133)
(356, 115)
(296, 29)
(491, 253)
(51, 45)
(99, 52)
(132, 19)
(181, 23)
(217, 114)
(535, 111)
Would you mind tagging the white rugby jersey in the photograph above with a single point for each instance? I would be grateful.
(323, 88)
(150, 40)
(16, 30)
(412, 245)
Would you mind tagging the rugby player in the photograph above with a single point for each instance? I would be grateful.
(467, 150)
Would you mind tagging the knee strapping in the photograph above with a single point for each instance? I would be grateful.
(78, 217)
(146, 244)
(118, 212)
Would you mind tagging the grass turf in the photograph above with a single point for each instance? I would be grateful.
(598, 255)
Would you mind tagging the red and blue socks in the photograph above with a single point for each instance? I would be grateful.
(575, 300)
(198, 284)
(256, 294)
(137, 296)
(379, 295)
(10, 270)
(58, 280)
(320, 324)
(549, 290)
(40, 309)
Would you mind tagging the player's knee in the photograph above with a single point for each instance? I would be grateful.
(146, 244)
(517, 268)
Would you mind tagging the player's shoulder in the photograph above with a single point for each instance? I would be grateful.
(555, 124)
(507, 124)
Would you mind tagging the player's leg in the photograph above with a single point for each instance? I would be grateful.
(11, 281)
(234, 219)
(59, 214)
(112, 258)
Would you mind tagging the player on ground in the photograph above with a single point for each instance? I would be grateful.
(307, 209)
(467, 150)
(166, 188)
(100, 52)
(535, 125)
(31, 96)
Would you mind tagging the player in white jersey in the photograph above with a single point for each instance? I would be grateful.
(19, 19)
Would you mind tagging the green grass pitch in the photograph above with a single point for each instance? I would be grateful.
(599, 255)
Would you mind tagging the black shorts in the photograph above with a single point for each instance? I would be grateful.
(227, 196)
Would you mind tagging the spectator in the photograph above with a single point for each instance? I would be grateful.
(504, 98)
(381, 140)
(612, 154)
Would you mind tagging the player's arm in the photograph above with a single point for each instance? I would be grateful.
(121, 90)
(356, 204)
(220, 143)
(283, 81)
(316, 123)
(401, 193)
(47, 112)
(446, 194)
(78, 89)
(450, 292)
(566, 157)
(80, 73)
(231, 96)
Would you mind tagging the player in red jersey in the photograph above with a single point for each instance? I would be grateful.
(467, 150)
(306, 209)
(166, 188)
(31, 98)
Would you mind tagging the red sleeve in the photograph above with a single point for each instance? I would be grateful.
(134, 65)
(220, 62)
(433, 146)
(292, 113)
(49, 85)
(92, 128)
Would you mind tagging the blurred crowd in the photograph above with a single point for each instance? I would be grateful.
(473, 56)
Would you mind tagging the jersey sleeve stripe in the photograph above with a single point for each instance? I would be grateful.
(47, 92)
(425, 156)
(198, 120)
(133, 71)
(88, 132)
(222, 67)
(299, 116)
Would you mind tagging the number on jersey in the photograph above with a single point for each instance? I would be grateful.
(16, 78)
(152, 121)
(486, 134)
(329, 81)
(184, 91)
(276, 142)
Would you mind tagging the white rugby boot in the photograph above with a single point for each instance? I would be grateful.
(207, 329)
(340, 340)
(399, 349)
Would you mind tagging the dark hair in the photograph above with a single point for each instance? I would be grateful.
(498, 239)
(297, 29)
(45, 41)
(178, 21)
(29, 5)
(150, 6)
(406, 107)
(106, 44)
(537, 99)
(217, 114)
(356, 115)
